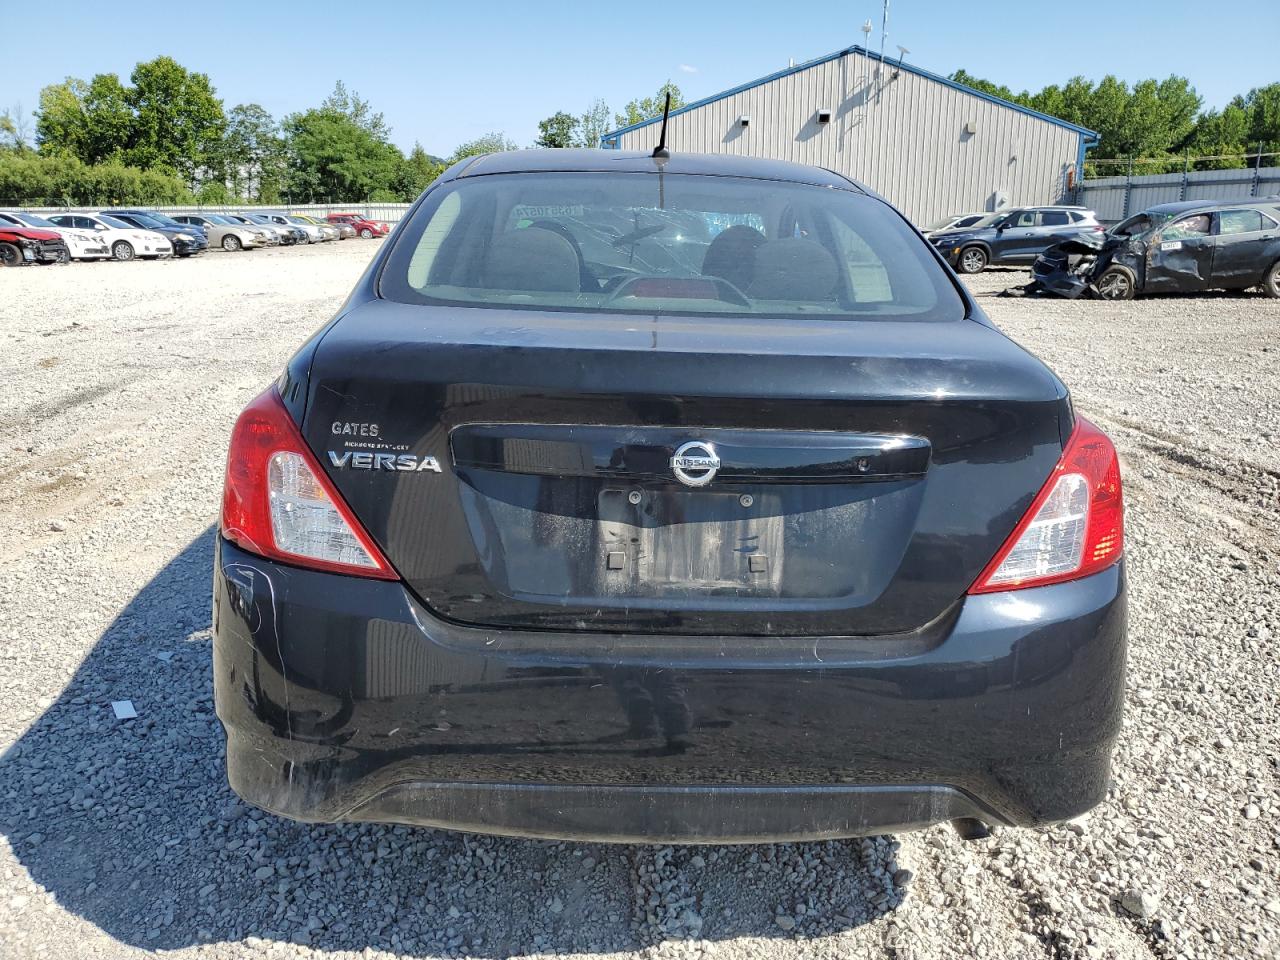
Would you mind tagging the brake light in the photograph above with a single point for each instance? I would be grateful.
(1075, 525)
(278, 503)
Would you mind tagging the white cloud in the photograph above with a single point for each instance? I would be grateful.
(687, 68)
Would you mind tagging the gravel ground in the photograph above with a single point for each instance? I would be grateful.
(118, 385)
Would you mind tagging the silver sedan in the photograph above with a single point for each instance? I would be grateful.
(224, 232)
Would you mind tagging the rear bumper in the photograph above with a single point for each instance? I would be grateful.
(345, 699)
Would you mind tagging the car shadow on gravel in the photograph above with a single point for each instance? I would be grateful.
(130, 824)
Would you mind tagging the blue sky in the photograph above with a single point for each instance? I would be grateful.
(447, 72)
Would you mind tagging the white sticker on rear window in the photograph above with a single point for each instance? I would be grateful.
(526, 211)
(1171, 245)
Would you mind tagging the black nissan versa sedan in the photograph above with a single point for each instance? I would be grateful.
(688, 499)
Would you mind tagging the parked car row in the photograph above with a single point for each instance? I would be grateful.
(129, 234)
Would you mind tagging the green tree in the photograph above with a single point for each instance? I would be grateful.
(341, 151)
(489, 143)
(648, 107)
(1262, 106)
(60, 118)
(558, 130)
(38, 178)
(986, 86)
(358, 111)
(178, 119)
(416, 173)
(593, 124)
(331, 157)
(15, 129)
(108, 120)
(253, 154)
(1221, 136)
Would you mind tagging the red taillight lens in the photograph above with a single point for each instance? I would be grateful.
(278, 503)
(1075, 525)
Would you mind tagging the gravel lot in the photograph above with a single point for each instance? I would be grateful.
(118, 385)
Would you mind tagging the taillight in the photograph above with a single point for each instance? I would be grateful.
(278, 503)
(1075, 525)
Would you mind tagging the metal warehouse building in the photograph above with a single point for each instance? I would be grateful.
(930, 145)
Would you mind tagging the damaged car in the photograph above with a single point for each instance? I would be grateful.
(23, 245)
(1183, 247)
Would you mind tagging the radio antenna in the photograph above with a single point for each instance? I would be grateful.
(660, 152)
(884, 32)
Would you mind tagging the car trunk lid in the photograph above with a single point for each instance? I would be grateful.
(546, 470)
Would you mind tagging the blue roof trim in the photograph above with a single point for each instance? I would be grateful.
(605, 138)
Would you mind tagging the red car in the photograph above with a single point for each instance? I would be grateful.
(364, 226)
(19, 245)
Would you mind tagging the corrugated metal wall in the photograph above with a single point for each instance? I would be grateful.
(904, 136)
(1115, 198)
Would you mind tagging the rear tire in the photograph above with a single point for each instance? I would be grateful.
(1271, 282)
(972, 260)
(231, 243)
(122, 250)
(1116, 283)
(366, 233)
(10, 256)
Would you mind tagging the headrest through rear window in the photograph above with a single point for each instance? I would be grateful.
(793, 268)
(534, 260)
(730, 255)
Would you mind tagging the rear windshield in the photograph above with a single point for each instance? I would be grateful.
(655, 244)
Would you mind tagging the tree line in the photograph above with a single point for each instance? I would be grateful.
(166, 137)
(563, 129)
(1159, 124)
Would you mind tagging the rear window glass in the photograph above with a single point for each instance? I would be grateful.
(657, 244)
(1053, 218)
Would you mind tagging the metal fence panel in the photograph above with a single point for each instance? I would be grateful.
(1114, 198)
